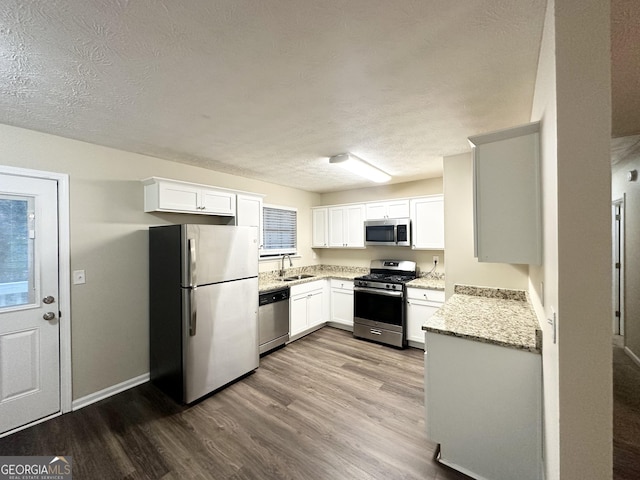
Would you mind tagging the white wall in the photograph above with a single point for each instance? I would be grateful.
(462, 267)
(109, 314)
(572, 99)
(631, 192)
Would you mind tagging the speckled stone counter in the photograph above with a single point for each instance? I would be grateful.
(434, 281)
(270, 281)
(490, 315)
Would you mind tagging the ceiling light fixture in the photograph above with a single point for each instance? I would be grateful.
(358, 166)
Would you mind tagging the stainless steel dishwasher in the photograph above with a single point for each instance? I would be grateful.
(273, 318)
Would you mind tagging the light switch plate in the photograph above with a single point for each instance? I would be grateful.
(553, 322)
(79, 277)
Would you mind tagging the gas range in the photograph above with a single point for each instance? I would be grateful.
(388, 275)
(379, 304)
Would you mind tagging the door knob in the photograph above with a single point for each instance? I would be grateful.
(49, 316)
(48, 300)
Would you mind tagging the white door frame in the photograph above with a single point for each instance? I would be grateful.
(64, 278)
(619, 323)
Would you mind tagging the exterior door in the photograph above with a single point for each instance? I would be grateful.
(29, 311)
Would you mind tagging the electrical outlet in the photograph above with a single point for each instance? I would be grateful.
(436, 259)
(79, 277)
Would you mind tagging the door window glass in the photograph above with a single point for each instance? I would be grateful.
(16, 251)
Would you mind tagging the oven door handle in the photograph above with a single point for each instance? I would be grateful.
(376, 291)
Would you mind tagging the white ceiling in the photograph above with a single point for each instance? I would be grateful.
(270, 89)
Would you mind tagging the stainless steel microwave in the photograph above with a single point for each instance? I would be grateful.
(389, 231)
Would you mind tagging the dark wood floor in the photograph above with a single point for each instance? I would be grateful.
(325, 407)
(626, 417)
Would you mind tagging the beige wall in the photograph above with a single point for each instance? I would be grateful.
(572, 99)
(363, 257)
(631, 192)
(109, 313)
(462, 267)
(430, 186)
(543, 280)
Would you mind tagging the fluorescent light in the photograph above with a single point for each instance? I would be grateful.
(358, 166)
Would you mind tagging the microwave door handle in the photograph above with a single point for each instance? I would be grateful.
(395, 233)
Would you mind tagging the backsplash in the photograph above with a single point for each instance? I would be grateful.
(312, 269)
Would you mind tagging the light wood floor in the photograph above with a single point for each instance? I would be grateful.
(325, 407)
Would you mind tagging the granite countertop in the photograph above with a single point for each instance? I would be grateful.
(490, 315)
(270, 281)
(431, 282)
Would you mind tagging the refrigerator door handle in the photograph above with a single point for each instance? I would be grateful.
(192, 263)
(194, 312)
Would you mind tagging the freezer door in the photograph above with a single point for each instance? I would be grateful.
(218, 253)
(225, 344)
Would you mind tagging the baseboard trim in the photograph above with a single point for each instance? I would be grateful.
(22, 427)
(109, 391)
(341, 326)
(632, 355)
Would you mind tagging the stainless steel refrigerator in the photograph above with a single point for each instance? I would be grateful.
(203, 298)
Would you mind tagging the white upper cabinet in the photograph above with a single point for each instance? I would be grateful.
(387, 209)
(507, 218)
(163, 195)
(346, 226)
(249, 212)
(427, 223)
(320, 227)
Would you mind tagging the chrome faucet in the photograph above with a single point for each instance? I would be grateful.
(282, 266)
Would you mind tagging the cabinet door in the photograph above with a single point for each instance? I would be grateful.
(375, 211)
(507, 218)
(418, 313)
(217, 202)
(342, 306)
(315, 312)
(249, 213)
(319, 227)
(336, 227)
(427, 215)
(398, 209)
(354, 226)
(298, 314)
(178, 197)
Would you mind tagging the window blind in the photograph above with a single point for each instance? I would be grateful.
(279, 230)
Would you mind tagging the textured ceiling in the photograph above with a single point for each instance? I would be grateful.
(270, 89)
(625, 67)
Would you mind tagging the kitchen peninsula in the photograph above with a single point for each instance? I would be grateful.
(483, 383)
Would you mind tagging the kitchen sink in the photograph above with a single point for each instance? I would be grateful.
(297, 277)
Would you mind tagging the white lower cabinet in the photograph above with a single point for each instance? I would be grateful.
(342, 303)
(307, 310)
(483, 406)
(421, 304)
